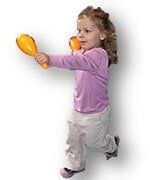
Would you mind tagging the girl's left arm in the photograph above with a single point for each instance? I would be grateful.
(86, 62)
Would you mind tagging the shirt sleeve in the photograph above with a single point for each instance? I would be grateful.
(89, 61)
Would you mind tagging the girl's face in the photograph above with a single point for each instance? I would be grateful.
(89, 35)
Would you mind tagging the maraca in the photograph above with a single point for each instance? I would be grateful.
(74, 43)
(27, 44)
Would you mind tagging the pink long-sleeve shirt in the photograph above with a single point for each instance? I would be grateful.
(91, 83)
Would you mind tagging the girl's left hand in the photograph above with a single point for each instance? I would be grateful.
(41, 58)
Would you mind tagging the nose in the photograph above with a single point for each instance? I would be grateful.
(81, 34)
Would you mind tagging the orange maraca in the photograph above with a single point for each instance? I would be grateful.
(27, 44)
(74, 43)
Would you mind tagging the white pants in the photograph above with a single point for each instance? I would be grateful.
(87, 130)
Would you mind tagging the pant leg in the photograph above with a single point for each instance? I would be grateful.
(76, 148)
(96, 128)
(87, 130)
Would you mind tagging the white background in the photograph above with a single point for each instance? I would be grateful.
(35, 103)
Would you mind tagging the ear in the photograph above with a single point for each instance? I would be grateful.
(102, 36)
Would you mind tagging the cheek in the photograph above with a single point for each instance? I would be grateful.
(95, 36)
(95, 39)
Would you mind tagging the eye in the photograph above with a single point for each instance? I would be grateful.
(79, 30)
(87, 30)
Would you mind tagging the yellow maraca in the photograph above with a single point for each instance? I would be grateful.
(74, 43)
(27, 44)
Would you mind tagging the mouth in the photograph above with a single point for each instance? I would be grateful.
(82, 42)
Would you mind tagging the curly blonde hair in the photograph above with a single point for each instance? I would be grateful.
(103, 22)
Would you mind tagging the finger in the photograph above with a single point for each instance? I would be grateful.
(44, 61)
(41, 56)
(41, 60)
(38, 59)
(38, 54)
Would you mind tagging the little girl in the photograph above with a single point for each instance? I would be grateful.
(89, 119)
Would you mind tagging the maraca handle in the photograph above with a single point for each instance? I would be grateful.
(45, 65)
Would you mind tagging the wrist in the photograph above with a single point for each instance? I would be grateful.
(49, 62)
